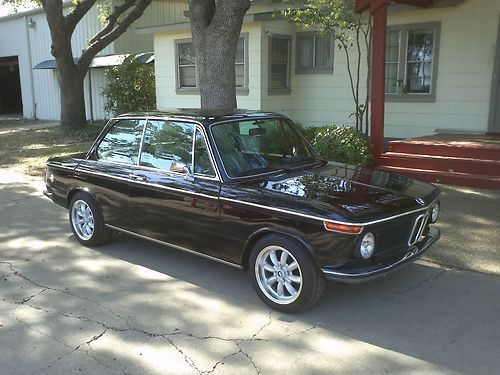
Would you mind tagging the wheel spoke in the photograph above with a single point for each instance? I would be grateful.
(273, 257)
(292, 266)
(268, 267)
(284, 257)
(280, 290)
(290, 288)
(271, 280)
(294, 279)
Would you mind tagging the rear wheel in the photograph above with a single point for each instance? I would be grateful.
(284, 275)
(86, 221)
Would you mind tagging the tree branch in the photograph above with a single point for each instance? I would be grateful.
(75, 16)
(112, 19)
(201, 13)
(97, 44)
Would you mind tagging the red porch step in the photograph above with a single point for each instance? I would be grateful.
(442, 163)
(453, 148)
(449, 178)
(456, 159)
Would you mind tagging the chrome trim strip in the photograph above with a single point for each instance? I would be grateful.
(176, 247)
(60, 166)
(150, 184)
(324, 218)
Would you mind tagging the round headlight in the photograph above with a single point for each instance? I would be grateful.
(435, 213)
(367, 246)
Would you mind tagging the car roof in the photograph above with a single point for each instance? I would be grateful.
(205, 116)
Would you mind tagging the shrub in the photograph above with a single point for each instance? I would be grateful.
(340, 144)
(130, 87)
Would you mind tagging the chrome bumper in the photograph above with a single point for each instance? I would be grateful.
(383, 269)
(47, 193)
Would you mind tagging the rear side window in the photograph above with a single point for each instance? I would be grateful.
(168, 145)
(121, 143)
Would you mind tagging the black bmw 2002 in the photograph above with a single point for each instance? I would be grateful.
(245, 189)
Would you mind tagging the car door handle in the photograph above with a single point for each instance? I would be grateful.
(137, 177)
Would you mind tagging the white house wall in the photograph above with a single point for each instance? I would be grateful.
(465, 69)
(166, 95)
(13, 42)
(466, 53)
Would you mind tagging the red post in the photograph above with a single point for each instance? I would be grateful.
(378, 81)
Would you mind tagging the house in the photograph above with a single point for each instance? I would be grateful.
(453, 88)
(28, 73)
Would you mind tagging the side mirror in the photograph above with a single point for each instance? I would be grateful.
(179, 167)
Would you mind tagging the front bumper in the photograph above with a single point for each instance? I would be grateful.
(384, 268)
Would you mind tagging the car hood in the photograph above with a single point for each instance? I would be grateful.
(347, 193)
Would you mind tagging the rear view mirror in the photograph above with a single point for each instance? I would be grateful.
(257, 131)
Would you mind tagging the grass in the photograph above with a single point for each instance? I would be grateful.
(27, 150)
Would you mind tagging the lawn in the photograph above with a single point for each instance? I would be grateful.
(27, 150)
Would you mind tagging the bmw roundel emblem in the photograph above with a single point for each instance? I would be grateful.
(420, 201)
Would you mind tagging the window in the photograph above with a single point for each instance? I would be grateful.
(251, 147)
(411, 58)
(168, 145)
(202, 161)
(121, 143)
(187, 74)
(314, 53)
(279, 64)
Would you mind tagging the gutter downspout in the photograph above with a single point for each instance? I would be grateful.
(30, 61)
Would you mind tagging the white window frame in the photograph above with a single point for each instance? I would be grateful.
(313, 69)
(288, 88)
(241, 90)
(400, 95)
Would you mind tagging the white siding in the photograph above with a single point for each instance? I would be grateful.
(465, 69)
(467, 43)
(14, 42)
(166, 95)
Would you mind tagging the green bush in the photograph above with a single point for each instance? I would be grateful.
(340, 144)
(130, 87)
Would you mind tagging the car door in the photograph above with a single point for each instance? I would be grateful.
(106, 172)
(175, 189)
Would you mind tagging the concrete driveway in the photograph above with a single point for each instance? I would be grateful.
(133, 307)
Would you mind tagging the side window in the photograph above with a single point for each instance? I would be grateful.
(168, 145)
(202, 162)
(121, 143)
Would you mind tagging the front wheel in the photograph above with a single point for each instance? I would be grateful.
(284, 275)
(86, 221)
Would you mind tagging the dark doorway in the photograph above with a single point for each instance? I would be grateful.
(10, 86)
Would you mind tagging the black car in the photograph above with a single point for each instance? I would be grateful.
(246, 189)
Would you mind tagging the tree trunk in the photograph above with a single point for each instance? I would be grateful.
(72, 100)
(71, 75)
(216, 28)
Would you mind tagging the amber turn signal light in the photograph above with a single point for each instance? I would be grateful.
(343, 228)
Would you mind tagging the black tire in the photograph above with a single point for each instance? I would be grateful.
(86, 221)
(306, 279)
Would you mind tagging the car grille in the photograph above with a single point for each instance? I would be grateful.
(400, 233)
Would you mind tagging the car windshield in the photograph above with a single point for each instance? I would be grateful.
(251, 147)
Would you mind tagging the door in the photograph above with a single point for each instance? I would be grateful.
(107, 171)
(175, 190)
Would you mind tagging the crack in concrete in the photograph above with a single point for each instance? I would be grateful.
(106, 327)
(420, 284)
(46, 287)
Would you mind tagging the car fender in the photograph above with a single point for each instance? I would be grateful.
(261, 232)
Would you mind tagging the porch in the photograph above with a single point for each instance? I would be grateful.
(454, 159)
